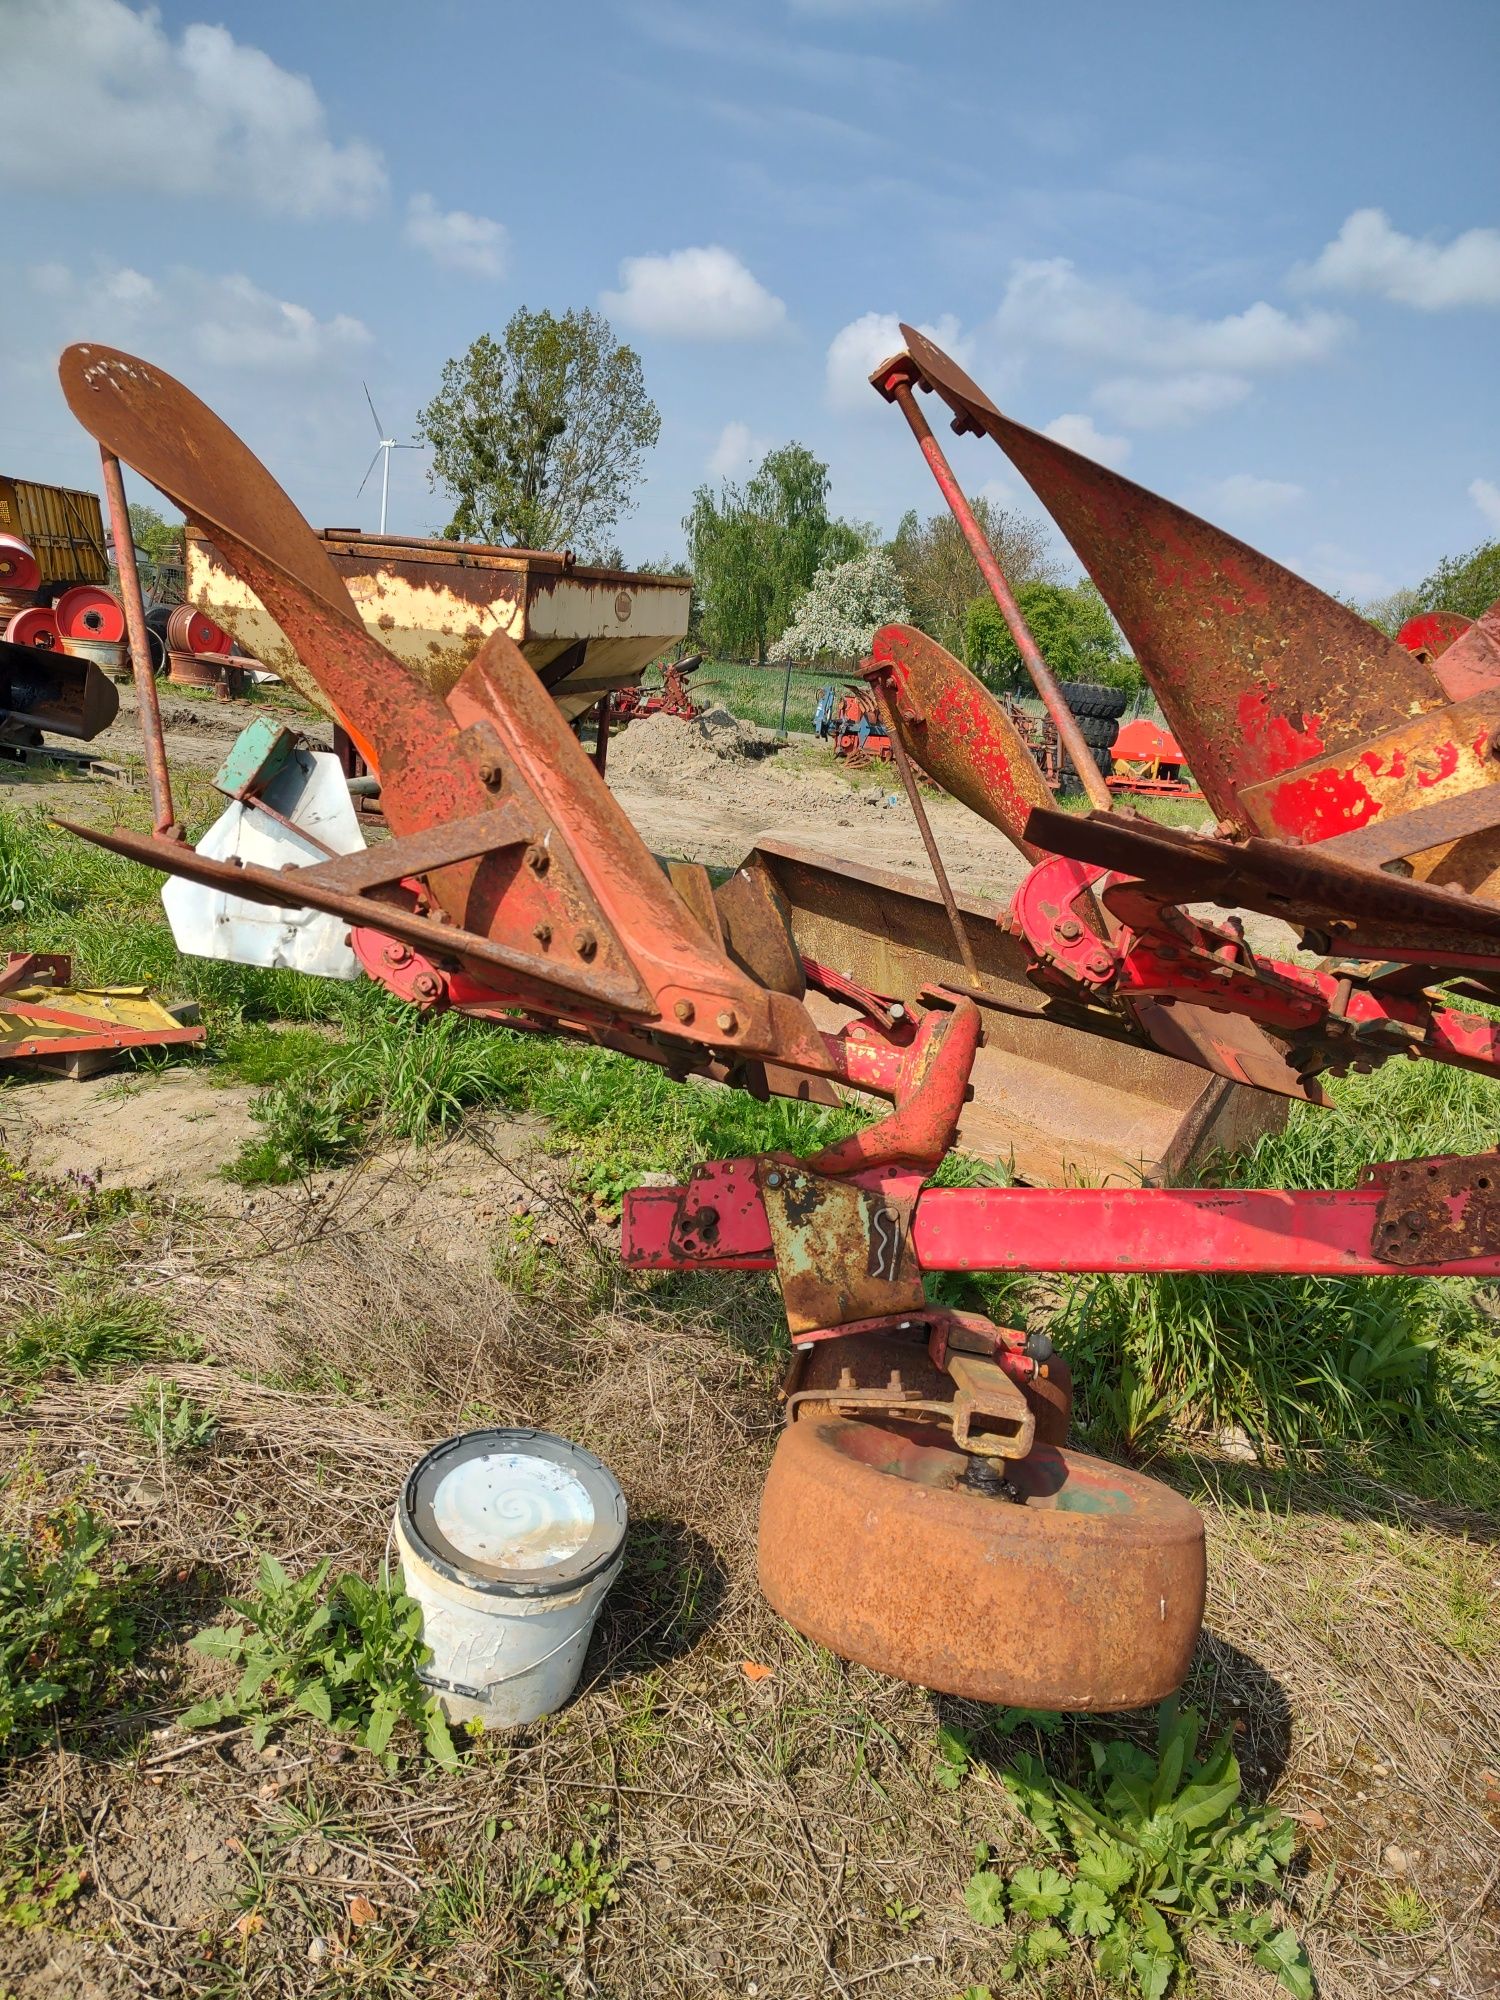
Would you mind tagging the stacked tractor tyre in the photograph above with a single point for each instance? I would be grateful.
(1098, 710)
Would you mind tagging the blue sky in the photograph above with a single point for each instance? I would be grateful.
(1250, 254)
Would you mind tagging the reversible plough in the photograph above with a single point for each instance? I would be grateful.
(924, 1512)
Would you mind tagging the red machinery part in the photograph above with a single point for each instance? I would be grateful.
(1343, 1233)
(1146, 742)
(1087, 1596)
(88, 612)
(35, 626)
(193, 631)
(19, 569)
(1431, 633)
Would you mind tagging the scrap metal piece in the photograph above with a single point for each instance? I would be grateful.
(1439, 1211)
(842, 1251)
(958, 732)
(1256, 669)
(78, 1029)
(869, 1374)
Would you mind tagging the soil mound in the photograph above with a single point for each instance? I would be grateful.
(662, 749)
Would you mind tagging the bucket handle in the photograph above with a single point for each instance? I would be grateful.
(441, 1686)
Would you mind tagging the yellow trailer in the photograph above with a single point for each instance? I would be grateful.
(62, 526)
(586, 630)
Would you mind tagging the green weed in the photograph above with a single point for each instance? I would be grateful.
(575, 1888)
(170, 1420)
(1405, 1912)
(66, 1625)
(349, 1659)
(37, 1879)
(92, 1324)
(1152, 1850)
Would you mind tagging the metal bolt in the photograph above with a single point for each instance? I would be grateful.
(538, 860)
(425, 985)
(773, 1180)
(585, 944)
(491, 776)
(1069, 930)
(726, 1021)
(684, 1011)
(1101, 964)
(542, 933)
(397, 954)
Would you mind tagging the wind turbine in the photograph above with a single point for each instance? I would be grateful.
(386, 445)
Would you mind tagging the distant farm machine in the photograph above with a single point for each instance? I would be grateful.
(924, 1512)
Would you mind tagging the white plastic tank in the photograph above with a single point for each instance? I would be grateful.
(509, 1540)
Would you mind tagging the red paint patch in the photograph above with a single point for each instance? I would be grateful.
(1447, 764)
(1273, 742)
(1328, 802)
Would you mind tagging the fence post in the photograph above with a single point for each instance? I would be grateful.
(786, 695)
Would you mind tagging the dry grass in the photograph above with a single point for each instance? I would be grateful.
(782, 1836)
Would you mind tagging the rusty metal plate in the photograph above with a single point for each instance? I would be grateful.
(1256, 669)
(370, 868)
(1086, 1594)
(1414, 832)
(1438, 1211)
(952, 726)
(843, 1252)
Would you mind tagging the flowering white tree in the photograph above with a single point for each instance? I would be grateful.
(842, 609)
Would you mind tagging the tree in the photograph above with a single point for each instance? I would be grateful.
(941, 576)
(1071, 624)
(538, 436)
(843, 608)
(755, 549)
(1468, 584)
(156, 538)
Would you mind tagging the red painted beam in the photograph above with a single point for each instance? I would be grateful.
(1308, 1232)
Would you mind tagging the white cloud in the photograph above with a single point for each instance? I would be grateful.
(1079, 433)
(146, 114)
(1155, 404)
(698, 294)
(456, 240)
(227, 320)
(1335, 568)
(737, 450)
(857, 349)
(1171, 367)
(1370, 255)
(1486, 497)
(1246, 496)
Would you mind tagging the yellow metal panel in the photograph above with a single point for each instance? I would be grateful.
(63, 526)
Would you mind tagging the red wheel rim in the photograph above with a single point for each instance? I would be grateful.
(87, 612)
(35, 626)
(19, 569)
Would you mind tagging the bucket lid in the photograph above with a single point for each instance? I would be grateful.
(517, 1513)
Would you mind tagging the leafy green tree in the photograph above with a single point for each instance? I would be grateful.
(940, 575)
(843, 608)
(1468, 584)
(1071, 624)
(539, 436)
(155, 537)
(755, 549)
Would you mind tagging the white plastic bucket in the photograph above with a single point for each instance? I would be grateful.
(509, 1540)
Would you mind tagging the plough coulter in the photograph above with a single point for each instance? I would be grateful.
(924, 1511)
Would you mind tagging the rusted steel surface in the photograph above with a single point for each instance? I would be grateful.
(894, 381)
(1086, 1595)
(1048, 1103)
(432, 604)
(843, 1251)
(1317, 1233)
(924, 827)
(153, 742)
(1469, 663)
(1257, 670)
(1439, 1211)
(958, 732)
(41, 688)
(756, 925)
(1366, 907)
(890, 1371)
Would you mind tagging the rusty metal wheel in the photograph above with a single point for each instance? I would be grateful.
(1087, 1593)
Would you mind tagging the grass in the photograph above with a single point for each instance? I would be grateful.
(88, 1325)
(754, 694)
(66, 1625)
